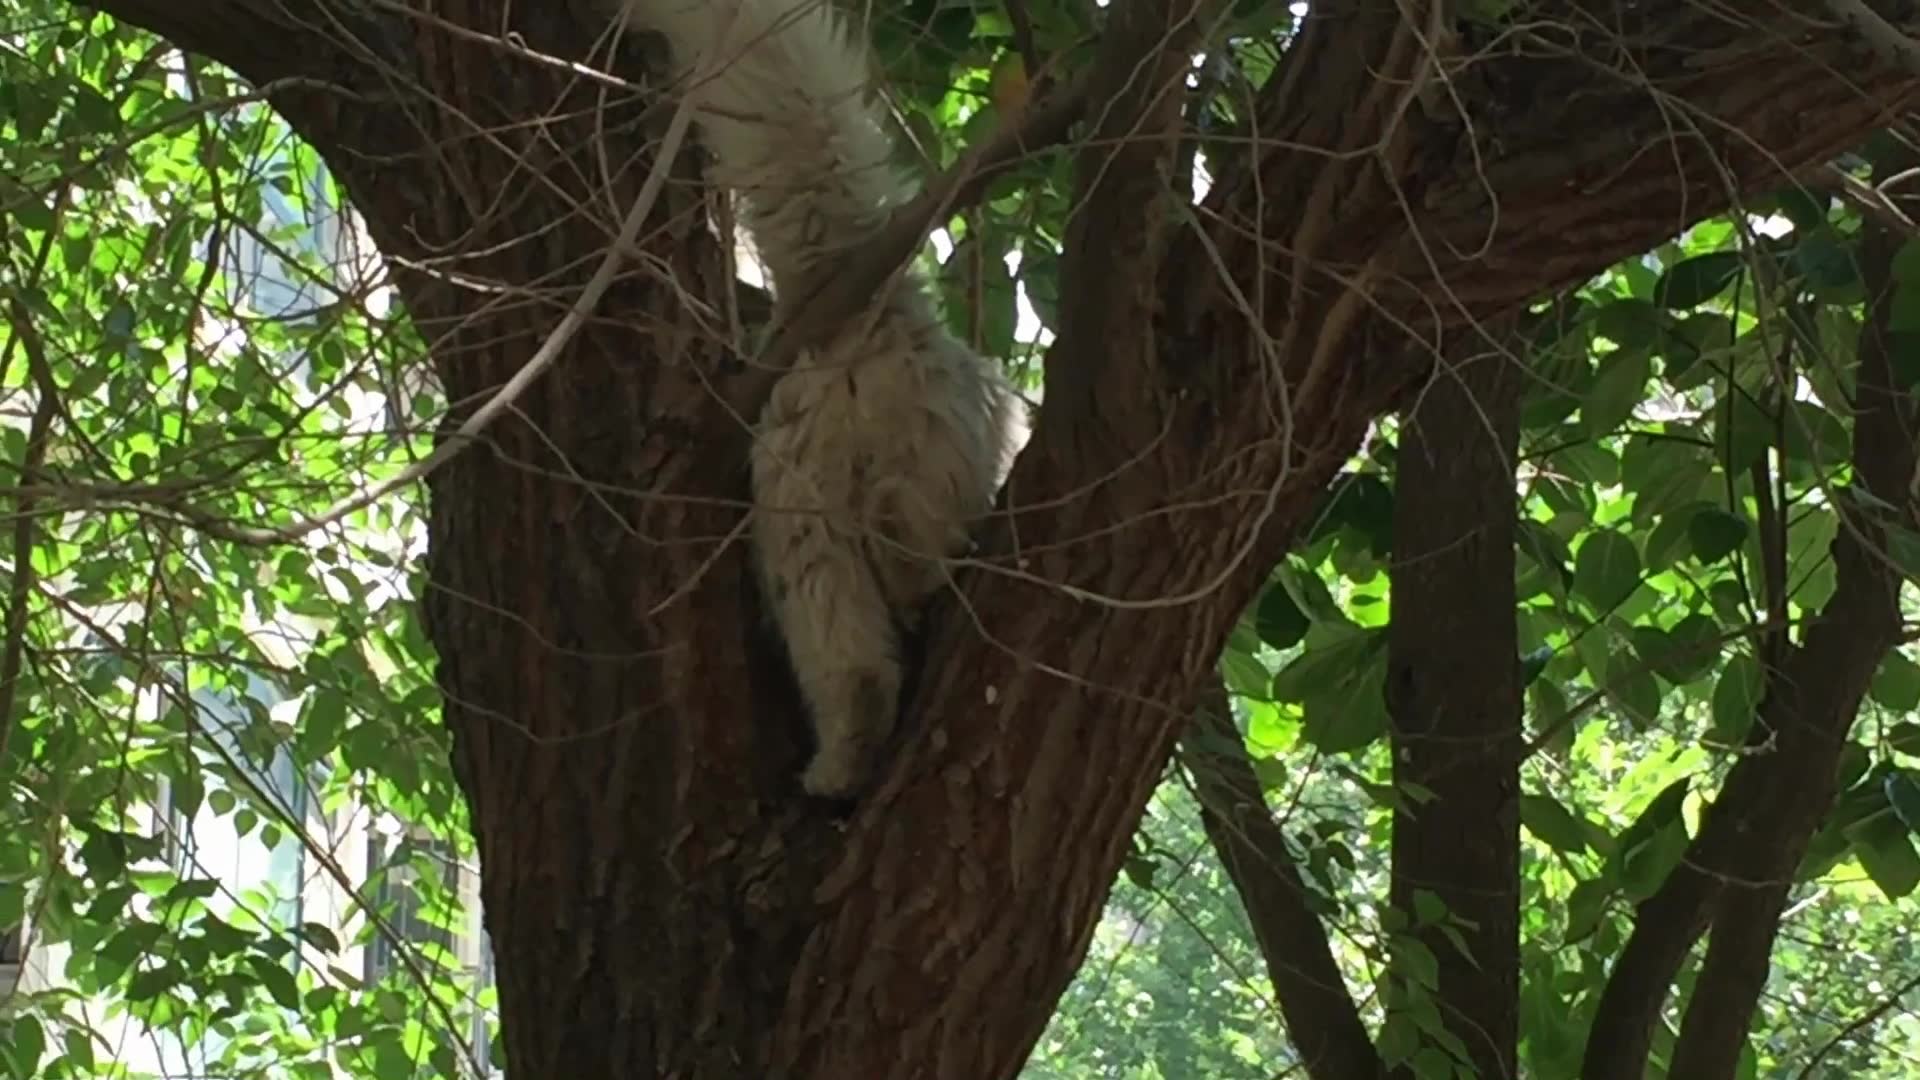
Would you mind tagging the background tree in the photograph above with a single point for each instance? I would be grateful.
(1329, 352)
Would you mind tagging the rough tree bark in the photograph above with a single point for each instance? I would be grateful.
(1453, 691)
(660, 900)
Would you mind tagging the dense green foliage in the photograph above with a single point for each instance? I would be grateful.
(195, 340)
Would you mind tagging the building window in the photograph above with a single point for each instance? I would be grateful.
(13, 954)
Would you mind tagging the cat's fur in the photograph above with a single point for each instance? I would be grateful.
(880, 448)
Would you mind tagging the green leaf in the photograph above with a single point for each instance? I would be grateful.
(1682, 654)
(1903, 550)
(1827, 259)
(1692, 282)
(1906, 294)
(1736, 697)
(1533, 663)
(1903, 737)
(1663, 474)
(1903, 794)
(1554, 824)
(1399, 1039)
(1645, 867)
(1906, 263)
(1326, 664)
(1140, 870)
(150, 984)
(1896, 685)
(1585, 907)
(1815, 437)
(1743, 433)
(278, 981)
(1698, 642)
(1824, 852)
(1547, 705)
(1606, 569)
(1884, 848)
(1661, 815)
(26, 1042)
(1547, 550)
(1630, 324)
(1715, 534)
(1349, 712)
(1278, 620)
(191, 889)
(1633, 689)
(1693, 338)
(1245, 675)
(1855, 763)
(79, 1046)
(1668, 540)
(1364, 503)
(1413, 961)
(1592, 463)
(1619, 389)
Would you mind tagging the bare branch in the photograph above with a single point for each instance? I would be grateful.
(1888, 1002)
(25, 524)
(1322, 1020)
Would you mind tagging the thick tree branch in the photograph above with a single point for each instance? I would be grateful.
(1879, 35)
(1747, 919)
(1322, 1020)
(1757, 830)
(1453, 690)
(26, 526)
(1738, 960)
(26, 522)
(1117, 238)
(263, 40)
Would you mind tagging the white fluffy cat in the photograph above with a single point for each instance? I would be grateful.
(881, 448)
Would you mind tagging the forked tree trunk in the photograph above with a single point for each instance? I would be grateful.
(660, 900)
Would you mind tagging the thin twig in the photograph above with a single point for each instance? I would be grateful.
(15, 647)
(848, 285)
(1860, 1023)
(129, 138)
(1869, 199)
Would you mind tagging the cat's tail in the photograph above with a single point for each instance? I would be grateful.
(784, 109)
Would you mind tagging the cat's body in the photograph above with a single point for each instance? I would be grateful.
(879, 450)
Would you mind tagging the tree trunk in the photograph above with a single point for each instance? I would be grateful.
(661, 900)
(1453, 690)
